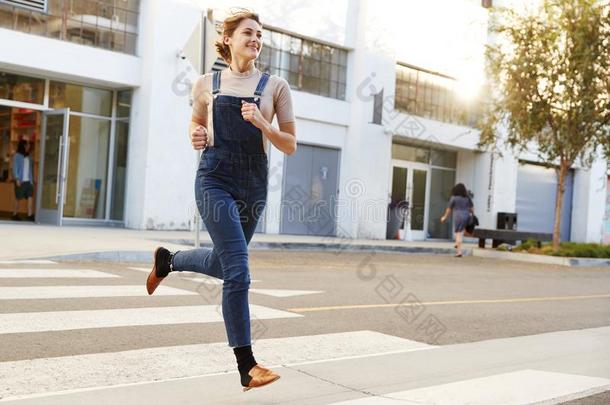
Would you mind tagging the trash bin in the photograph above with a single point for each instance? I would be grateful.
(396, 217)
(507, 220)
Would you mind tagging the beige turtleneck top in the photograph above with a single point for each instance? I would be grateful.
(275, 100)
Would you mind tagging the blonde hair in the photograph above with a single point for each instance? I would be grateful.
(229, 26)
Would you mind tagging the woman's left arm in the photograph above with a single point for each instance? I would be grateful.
(283, 138)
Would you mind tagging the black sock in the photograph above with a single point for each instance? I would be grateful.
(163, 260)
(245, 362)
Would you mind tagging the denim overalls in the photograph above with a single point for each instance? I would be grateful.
(231, 193)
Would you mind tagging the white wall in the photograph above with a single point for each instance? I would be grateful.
(161, 163)
(589, 203)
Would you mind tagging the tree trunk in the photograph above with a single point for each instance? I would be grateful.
(561, 187)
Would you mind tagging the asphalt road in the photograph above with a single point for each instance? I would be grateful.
(433, 300)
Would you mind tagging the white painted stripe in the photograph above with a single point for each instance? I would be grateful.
(190, 276)
(54, 273)
(143, 269)
(518, 387)
(283, 293)
(27, 377)
(107, 318)
(29, 261)
(85, 291)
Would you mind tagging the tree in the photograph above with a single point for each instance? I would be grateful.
(549, 78)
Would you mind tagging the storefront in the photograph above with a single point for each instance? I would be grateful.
(78, 138)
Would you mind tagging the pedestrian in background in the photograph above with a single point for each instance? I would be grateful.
(462, 207)
(23, 176)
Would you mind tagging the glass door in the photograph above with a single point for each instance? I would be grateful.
(418, 186)
(408, 211)
(54, 145)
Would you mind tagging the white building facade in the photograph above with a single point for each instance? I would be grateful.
(382, 101)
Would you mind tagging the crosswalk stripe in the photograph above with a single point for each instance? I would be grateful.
(107, 318)
(108, 369)
(54, 273)
(283, 293)
(518, 387)
(84, 291)
(27, 261)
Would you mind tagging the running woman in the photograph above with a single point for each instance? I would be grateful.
(231, 122)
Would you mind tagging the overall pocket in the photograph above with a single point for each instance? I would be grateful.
(209, 165)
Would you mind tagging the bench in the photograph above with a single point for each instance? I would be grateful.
(499, 236)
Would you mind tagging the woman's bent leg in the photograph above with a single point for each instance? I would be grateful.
(203, 260)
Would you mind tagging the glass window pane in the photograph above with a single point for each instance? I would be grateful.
(410, 153)
(343, 57)
(276, 40)
(119, 176)
(441, 182)
(443, 158)
(123, 103)
(80, 98)
(87, 168)
(399, 195)
(341, 94)
(418, 202)
(21, 88)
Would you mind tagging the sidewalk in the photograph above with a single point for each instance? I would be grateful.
(29, 241)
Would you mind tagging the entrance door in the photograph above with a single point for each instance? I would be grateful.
(54, 144)
(409, 196)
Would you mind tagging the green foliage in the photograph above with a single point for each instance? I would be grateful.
(550, 76)
(567, 249)
(526, 246)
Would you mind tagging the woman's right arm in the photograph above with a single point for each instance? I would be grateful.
(198, 132)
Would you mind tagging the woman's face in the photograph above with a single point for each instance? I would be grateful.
(246, 41)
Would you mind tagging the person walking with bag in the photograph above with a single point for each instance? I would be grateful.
(232, 114)
(462, 207)
(23, 174)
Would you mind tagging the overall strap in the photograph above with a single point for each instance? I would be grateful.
(216, 82)
(261, 84)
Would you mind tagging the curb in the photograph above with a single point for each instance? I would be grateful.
(541, 259)
(146, 256)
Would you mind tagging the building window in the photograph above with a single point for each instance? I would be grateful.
(307, 65)
(432, 95)
(107, 24)
(21, 88)
(79, 98)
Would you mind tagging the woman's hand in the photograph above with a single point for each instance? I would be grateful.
(443, 219)
(251, 113)
(199, 137)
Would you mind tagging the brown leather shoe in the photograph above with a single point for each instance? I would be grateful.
(261, 376)
(153, 281)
